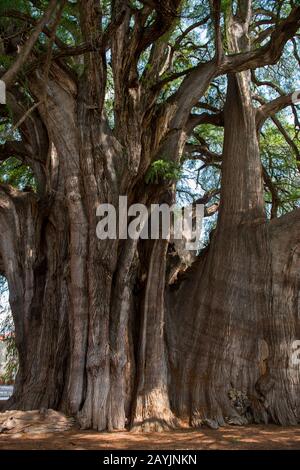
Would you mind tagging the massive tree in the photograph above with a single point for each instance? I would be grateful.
(112, 98)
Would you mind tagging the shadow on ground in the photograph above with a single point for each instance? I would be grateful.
(246, 437)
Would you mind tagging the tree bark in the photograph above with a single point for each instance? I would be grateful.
(33, 255)
(100, 333)
(231, 348)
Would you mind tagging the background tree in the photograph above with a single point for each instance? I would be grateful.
(8, 352)
(122, 97)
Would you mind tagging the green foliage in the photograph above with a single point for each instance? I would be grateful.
(197, 46)
(163, 170)
(13, 172)
(20, 5)
(226, 6)
(279, 161)
(135, 4)
(6, 61)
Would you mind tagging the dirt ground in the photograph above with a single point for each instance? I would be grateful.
(232, 438)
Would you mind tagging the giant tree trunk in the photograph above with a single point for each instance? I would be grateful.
(72, 295)
(234, 317)
(97, 340)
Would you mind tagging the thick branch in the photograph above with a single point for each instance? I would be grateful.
(10, 75)
(188, 30)
(275, 106)
(199, 78)
(95, 62)
(268, 54)
(204, 118)
(216, 11)
(166, 14)
(269, 109)
(28, 19)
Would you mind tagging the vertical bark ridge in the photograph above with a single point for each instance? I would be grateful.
(152, 411)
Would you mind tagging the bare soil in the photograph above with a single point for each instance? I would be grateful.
(269, 437)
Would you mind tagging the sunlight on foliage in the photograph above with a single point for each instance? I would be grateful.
(162, 170)
(13, 172)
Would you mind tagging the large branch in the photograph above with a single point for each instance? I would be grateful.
(31, 127)
(204, 118)
(166, 15)
(13, 212)
(98, 44)
(95, 62)
(274, 193)
(12, 72)
(32, 21)
(216, 13)
(268, 54)
(269, 109)
(288, 139)
(199, 77)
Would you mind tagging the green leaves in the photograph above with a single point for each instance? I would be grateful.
(13, 172)
(163, 170)
(13, 5)
(280, 163)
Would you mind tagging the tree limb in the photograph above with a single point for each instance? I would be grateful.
(204, 118)
(28, 19)
(216, 13)
(200, 76)
(12, 72)
(288, 139)
(269, 109)
(274, 193)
